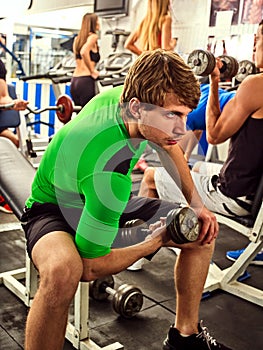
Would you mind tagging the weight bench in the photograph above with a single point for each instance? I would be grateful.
(16, 175)
(227, 279)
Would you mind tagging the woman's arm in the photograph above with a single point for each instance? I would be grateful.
(5, 99)
(85, 54)
(166, 32)
(130, 43)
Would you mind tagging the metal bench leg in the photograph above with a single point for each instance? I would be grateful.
(227, 279)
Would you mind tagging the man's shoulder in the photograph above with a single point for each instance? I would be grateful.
(104, 99)
(112, 94)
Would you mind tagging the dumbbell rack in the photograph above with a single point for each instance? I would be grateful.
(77, 332)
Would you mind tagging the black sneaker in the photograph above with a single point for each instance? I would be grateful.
(200, 341)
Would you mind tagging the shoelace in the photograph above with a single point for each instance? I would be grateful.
(205, 334)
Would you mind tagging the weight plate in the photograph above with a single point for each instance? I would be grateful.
(134, 232)
(65, 108)
(246, 68)
(97, 288)
(230, 67)
(201, 62)
(189, 225)
(182, 225)
(127, 301)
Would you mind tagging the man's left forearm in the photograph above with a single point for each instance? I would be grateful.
(177, 167)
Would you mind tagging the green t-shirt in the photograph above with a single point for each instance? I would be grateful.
(88, 165)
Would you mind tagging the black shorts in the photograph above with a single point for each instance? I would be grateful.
(82, 89)
(42, 219)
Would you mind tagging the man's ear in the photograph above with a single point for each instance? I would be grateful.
(134, 105)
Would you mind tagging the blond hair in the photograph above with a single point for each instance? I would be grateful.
(88, 25)
(156, 73)
(150, 27)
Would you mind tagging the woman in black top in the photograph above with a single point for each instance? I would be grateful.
(86, 50)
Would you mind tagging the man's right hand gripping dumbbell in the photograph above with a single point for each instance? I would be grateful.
(181, 226)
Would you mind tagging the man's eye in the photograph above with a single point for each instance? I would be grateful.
(170, 115)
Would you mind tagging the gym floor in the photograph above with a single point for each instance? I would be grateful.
(231, 320)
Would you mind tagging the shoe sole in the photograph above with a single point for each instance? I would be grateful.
(258, 263)
(5, 211)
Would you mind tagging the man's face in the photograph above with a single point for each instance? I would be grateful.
(164, 125)
(259, 48)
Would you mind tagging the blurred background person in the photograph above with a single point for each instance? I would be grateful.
(86, 50)
(18, 105)
(154, 31)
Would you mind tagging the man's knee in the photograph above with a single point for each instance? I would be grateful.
(60, 279)
(198, 247)
(148, 177)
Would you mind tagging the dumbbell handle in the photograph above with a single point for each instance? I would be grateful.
(105, 288)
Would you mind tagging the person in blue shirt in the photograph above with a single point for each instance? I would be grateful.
(196, 119)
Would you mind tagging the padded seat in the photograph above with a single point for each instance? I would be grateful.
(16, 176)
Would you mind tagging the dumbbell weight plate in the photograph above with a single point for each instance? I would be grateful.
(246, 68)
(65, 108)
(201, 62)
(183, 225)
(230, 67)
(127, 301)
(97, 288)
(135, 231)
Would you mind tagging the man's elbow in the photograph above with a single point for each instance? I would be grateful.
(212, 139)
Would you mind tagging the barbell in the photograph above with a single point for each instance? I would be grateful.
(181, 223)
(64, 109)
(127, 300)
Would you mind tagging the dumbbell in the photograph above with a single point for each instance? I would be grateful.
(64, 109)
(127, 300)
(181, 223)
(246, 68)
(203, 63)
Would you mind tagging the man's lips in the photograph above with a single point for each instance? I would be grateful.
(172, 142)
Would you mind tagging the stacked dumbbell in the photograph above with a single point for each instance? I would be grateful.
(127, 300)
(203, 63)
(181, 223)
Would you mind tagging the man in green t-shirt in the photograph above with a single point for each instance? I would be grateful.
(81, 196)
